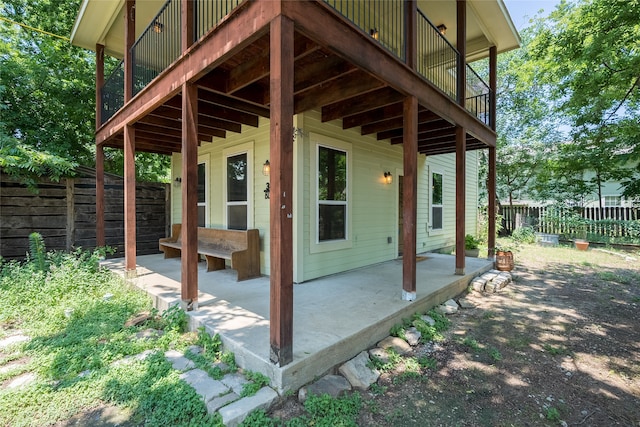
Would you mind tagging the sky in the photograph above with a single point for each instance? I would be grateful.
(523, 10)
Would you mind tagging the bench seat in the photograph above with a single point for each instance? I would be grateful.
(241, 247)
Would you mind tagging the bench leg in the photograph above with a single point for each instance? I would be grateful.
(214, 263)
(171, 252)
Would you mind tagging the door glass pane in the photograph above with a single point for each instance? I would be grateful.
(237, 217)
(237, 178)
(331, 222)
(201, 210)
(436, 221)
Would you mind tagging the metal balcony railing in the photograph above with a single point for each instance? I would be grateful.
(478, 97)
(112, 93)
(209, 13)
(382, 20)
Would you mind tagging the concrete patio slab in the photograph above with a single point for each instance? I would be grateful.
(335, 317)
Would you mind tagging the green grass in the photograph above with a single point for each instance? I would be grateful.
(34, 298)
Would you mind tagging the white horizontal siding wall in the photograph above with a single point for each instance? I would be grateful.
(374, 204)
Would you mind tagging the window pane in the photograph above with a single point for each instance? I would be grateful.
(201, 210)
(436, 222)
(436, 187)
(201, 183)
(237, 217)
(332, 174)
(331, 222)
(237, 178)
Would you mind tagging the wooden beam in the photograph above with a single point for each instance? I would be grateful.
(99, 83)
(461, 173)
(397, 123)
(411, 33)
(248, 23)
(409, 197)
(231, 102)
(373, 116)
(129, 40)
(318, 72)
(186, 25)
(130, 198)
(491, 208)
(189, 272)
(423, 130)
(248, 72)
(281, 202)
(100, 239)
(361, 103)
(461, 37)
(493, 85)
(346, 86)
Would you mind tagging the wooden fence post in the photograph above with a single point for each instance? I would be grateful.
(71, 215)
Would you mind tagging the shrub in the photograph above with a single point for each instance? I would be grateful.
(524, 235)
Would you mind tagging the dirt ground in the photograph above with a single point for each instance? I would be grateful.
(558, 346)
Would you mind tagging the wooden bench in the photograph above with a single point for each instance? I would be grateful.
(242, 247)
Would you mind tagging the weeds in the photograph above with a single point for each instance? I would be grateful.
(257, 381)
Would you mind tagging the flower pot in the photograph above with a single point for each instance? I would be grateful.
(504, 260)
(581, 245)
(472, 252)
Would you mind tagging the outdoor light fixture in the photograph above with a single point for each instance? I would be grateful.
(442, 29)
(374, 33)
(266, 168)
(158, 27)
(388, 178)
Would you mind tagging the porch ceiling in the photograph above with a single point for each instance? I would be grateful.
(235, 93)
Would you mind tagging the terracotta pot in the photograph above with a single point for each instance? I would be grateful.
(504, 260)
(581, 245)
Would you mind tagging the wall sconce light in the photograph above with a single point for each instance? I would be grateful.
(267, 191)
(442, 29)
(374, 33)
(266, 168)
(388, 178)
(177, 182)
(158, 27)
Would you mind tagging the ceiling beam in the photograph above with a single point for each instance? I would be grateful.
(361, 103)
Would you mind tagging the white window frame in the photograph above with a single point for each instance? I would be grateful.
(231, 152)
(435, 231)
(316, 246)
(204, 159)
(607, 198)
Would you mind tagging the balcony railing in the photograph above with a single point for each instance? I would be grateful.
(437, 58)
(112, 93)
(478, 97)
(209, 13)
(384, 21)
(158, 45)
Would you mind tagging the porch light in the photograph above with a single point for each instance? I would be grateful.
(388, 178)
(374, 33)
(266, 168)
(442, 29)
(158, 27)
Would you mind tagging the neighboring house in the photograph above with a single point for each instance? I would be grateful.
(367, 114)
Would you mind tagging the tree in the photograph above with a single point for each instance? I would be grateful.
(588, 52)
(47, 94)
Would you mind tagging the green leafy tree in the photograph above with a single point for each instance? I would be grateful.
(588, 53)
(47, 96)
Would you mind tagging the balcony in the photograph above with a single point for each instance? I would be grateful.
(159, 45)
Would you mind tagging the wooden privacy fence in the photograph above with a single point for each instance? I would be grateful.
(64, 213)
(608, 219)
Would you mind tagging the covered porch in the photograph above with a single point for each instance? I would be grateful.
(334, 317)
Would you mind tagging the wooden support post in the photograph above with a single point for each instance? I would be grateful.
(71, 214)
(493, 85)
(411, 33)
(189, 278)
(187, 24)
(491, 194)
(130, 199)
(129, 40)
(100, 239)
(461, 35)
(99, 83)
(461, 172)
(491, 178)
(281, 202)
(409, 197)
